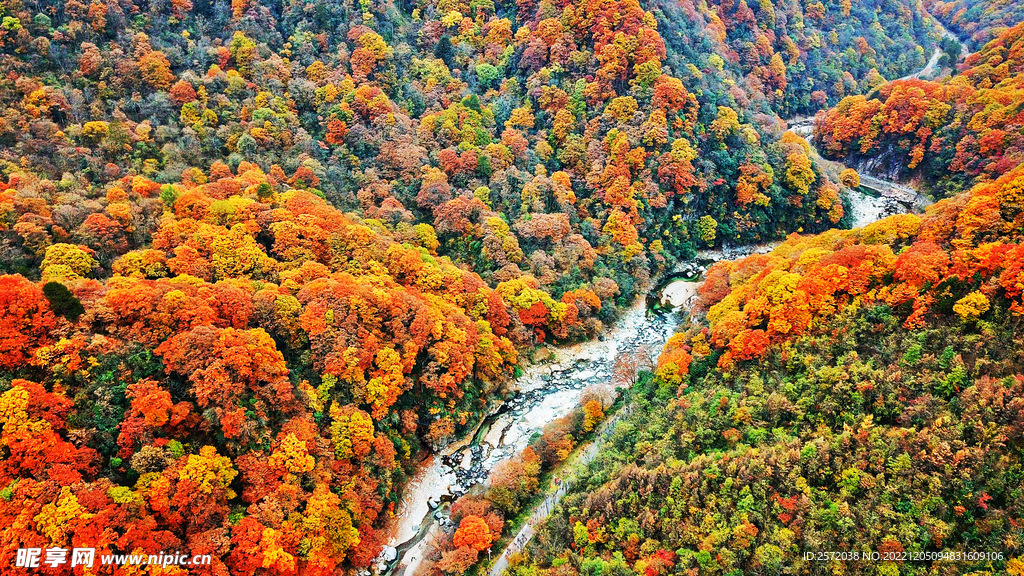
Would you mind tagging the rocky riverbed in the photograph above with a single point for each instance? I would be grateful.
(544, 393)
(868, 209)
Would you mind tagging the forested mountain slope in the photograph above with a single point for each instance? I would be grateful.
(449, 114)
(258, 257)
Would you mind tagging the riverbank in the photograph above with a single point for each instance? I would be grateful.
(541, 509)
(892, 197)
(544, 392)
(680, 294)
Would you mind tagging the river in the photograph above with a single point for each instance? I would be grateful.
(545, 392)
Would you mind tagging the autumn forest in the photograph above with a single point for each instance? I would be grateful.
(264, 263)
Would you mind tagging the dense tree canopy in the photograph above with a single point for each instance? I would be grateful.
(257, 259)
(801, 57)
